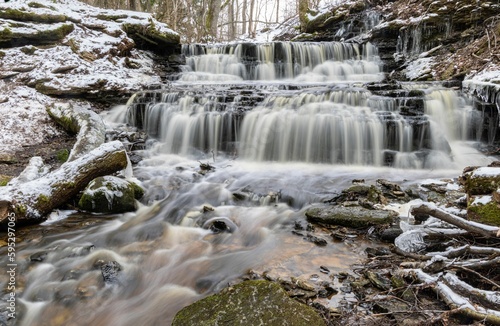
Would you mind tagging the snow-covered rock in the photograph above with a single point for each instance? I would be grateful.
(69, 49)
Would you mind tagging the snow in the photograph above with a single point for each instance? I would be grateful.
(481, 200)
(23, 117)
(486, 172)
(419, 68)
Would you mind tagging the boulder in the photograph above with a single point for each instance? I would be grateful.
(353, 216)
(484, 209)
(110, 195)
(481, 181)
(248, 303)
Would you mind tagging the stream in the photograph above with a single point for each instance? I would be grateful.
(280, 126)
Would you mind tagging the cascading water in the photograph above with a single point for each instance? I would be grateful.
(282, 126)
(304, 102)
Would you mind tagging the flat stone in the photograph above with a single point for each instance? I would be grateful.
(354, 217)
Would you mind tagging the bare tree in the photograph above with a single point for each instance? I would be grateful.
(303, 8)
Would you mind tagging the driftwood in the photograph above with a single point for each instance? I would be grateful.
(32, 201)
(473, 227)
(86, 124)
(458, 303)
(474, 262)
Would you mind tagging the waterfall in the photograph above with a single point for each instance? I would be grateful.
(303, 102)
(282, 126)
(310, 61)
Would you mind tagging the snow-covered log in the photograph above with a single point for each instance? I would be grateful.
(457, 302)
(32, 201)
(87, 124)
(473, 227)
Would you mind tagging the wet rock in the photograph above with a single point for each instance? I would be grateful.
(38, 256)
(220, 224)
(110, 195)
(376, 252)
(248, 303)
(391, 233)
(316, 240)
(378, 280)
(353, 217)
(110, 271)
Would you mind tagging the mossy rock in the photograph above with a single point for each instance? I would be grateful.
(353, 216)
(149, 37)
(110, 195)
(109, 17)
(482, 181)
(48, 34)
(28, 50)
(21, 15)
(62, 155)
(248, 303)
(4, 179)
(484, 210)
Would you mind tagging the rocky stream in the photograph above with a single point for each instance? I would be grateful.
(347, 174)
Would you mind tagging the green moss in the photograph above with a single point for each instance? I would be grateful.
(39, 5)
(68, 123)
(2, 54)
(43, 200)
(248, 303)
(110, 17)
(4, 179)
(5, 34)
(109, 195)
(20, 15)
(481, 185)
(138, 191)
(73, 45)
(57, 33)
(20, 210)
(29, 50)
(62, 155)
(485, 213)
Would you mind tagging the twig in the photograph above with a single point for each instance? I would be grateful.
(478, 275)
(479, 58)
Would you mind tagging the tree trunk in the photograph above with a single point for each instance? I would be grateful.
(251, 30)
(244, 18)
(132, 5)
(232, 27)
(212, 17)
(32, 201)
(303, 9)
(277, 10)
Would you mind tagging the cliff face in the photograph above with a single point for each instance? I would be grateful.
(450, 39)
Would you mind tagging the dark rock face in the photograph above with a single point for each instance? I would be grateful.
(248, 303)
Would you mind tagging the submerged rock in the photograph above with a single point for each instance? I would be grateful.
(354, 216)
(248, 303)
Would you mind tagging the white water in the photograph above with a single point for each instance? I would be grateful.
(302, 144)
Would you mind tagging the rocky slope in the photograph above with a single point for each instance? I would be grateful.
(452, 39)
(66, 51)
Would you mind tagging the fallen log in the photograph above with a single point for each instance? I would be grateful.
(458, 303)
(82, 121)
(470, 226)
(31, 201)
